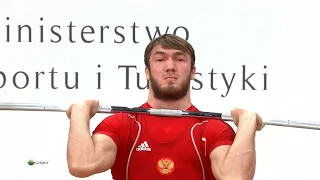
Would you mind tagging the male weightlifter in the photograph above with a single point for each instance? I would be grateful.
(141, 146)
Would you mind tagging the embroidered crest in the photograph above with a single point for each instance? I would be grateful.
(165, 166)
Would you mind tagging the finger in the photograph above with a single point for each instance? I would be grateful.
(260, 121)
(235, 116)
(94, 105)
(234, 112)
(237, 112)
(69, 111)
(96, 102)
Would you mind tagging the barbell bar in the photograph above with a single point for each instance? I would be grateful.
(8, 106)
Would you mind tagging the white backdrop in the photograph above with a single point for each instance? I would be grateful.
(282, 35)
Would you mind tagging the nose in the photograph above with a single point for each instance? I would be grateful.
(170, 65)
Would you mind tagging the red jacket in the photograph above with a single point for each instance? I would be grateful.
(156, 148)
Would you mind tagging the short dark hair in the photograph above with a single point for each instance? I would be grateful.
(170, 41)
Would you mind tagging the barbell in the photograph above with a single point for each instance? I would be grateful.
(8, 106)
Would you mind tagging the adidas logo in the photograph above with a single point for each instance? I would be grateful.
(143, 147)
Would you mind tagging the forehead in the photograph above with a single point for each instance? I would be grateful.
(165, 51)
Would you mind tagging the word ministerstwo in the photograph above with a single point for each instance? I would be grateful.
(56, 33)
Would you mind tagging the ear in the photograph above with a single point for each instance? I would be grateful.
(193, 72)
(147, 72)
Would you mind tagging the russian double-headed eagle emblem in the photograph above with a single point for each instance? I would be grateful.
(165, 166)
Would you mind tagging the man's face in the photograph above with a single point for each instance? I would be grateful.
(170, 73)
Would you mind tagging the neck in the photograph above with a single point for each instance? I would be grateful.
(181, 104)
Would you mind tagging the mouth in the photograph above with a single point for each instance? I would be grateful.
(171, 78)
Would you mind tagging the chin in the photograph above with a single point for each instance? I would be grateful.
(170, 86)
(171, 89)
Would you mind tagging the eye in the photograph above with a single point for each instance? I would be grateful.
(180, 59)
(159, 60)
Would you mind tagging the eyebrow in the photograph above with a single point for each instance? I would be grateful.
(176, 53)
(158, 52)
